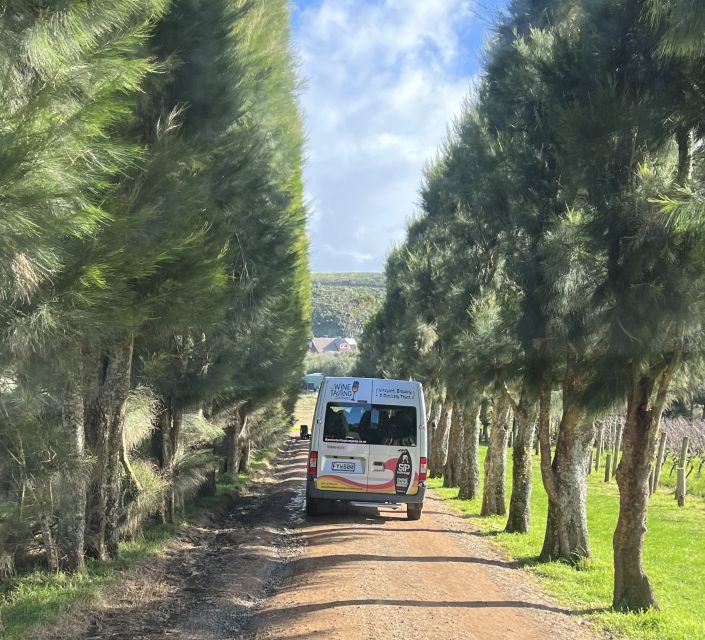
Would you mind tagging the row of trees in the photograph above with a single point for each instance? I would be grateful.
(557, 263)
(154, 287)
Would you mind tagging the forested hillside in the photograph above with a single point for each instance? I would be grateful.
(154, 286)
(342, 302)
(554, 279)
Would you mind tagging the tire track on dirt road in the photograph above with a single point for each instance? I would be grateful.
(208, 582)
(260, 570)
(368, 574)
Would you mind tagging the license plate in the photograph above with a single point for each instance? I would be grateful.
(342, 466)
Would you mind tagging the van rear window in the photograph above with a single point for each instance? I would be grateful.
(394, 426)
(361, 423)
(347, 422)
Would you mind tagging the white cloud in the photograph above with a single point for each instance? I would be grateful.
(384, 78)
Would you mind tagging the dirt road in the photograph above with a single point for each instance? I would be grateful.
(261, 570)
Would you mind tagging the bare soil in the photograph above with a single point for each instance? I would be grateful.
(262, 570)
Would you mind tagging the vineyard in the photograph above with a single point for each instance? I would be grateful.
(681, 445)
(342, 302)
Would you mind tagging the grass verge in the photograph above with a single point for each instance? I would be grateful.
(674, 556)
(37, 599)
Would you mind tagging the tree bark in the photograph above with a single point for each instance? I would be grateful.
(565, 478)
(439, 442)
(104, 422)
(566, 536)
(493, 496)
(632, 588)
(451, 471)
(72, 503)
(470, 469)
(519, 519)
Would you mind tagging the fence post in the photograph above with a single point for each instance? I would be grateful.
(617, 447)
(680, 487)
(659, 461)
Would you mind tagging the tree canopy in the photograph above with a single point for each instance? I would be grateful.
(555, 263)
(154, 285)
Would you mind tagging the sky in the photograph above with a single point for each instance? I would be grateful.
(382, 79)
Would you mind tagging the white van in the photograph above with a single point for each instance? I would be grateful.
(368, 445)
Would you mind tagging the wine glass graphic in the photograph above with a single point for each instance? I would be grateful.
(355, 388)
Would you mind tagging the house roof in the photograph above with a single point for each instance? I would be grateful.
(319, 345)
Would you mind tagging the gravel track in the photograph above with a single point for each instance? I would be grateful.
(260, 570)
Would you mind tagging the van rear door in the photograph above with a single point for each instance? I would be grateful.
(394, 441)
(344, 449)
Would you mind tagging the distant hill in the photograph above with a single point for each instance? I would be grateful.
(342, 302)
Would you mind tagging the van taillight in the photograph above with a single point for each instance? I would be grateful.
(312, 462)
(423, 469)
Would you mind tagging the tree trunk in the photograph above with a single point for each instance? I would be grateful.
(49, 544)
(169, 422)
(72, 502)
(439, 442)
(132, 490)
(659, 461)
(598, 453)
(565, 478)
(632, 588)
(493, 496)
(104, 422)
(519, 519)
(232, 439)
(470, 469)
(451, 471)
(244, 446)
(566, 536)
(485, 420)
(433, 428)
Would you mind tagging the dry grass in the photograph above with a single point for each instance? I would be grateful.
(303, 414)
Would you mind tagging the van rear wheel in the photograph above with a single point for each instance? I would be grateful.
(312, 506)
(413, 511)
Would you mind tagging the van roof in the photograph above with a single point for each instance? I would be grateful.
(353, 378)
(372, 390)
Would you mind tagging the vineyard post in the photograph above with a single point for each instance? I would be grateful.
(608, 459)
(598, 453)
(681, 488)
(617, 447)
(659, 461)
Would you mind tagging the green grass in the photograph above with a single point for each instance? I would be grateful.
(37, 599)
(674, 557)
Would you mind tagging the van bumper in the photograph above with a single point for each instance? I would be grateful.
(361, 496)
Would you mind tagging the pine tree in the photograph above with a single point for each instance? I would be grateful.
(68, 76)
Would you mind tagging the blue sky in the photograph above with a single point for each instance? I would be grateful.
(383, 78)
